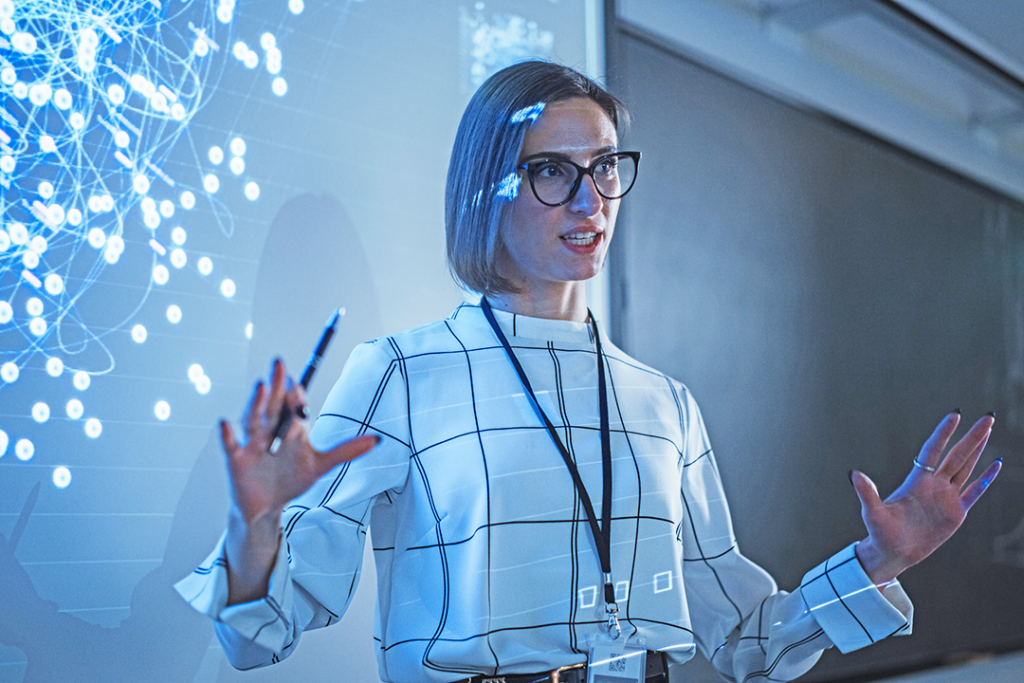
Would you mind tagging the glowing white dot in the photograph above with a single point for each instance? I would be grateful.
(251, 60)
(45, 189)
(178, 111)
(211, 183)
(296, 6)
(39, 94)
(94, 204)
(279, 86)
(3, 442)
(34, 306)
(237, 165)
(54, 366)
(8, 76)
(47, 144)
(159, 102)
(151, 220)
(87, 62)
(20, 90)
(267, 41)
(240, 50)
(9, 372)
(115, 243)
(106, 203)
(121, 139)
(56, 214)
(200, 47)
(148, 205)
(93, 428)
(24, 449)
(111, 256)
(7, 163)
(188, 200)
(6, 312)
(97, 238)
(40, 412)
(24, 42)
(162, 410)
(237, 146)
(61, 477)
(160, 274)
(62, 99)
(178, 258)
(19, 233)
(139, 334)
(252, 191)
(205, 266)
(174, 314)
(76, 120)
(178, 236)
(274, 63)
(195, 371)
(53, 284)
(30, 259)
(37, 326)
(141, 184)
(38, 244)
(74, 409)
(75, 217)
(115, 93)
(227, 288)
(81, 380)
(88, 39)
(216, 155)
(142, 85)
(166, 208)
(223, 15)
(203, 385)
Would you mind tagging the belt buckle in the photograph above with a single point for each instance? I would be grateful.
(555, 674)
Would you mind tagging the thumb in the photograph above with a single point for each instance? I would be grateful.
(866, 490)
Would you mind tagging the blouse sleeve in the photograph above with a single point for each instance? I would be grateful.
(324, 530)
(742, 622)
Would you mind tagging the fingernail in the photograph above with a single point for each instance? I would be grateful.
(378, 440)
(999, 460)
(956, 410)
(991, 414)
(850, 475)
(301, 412)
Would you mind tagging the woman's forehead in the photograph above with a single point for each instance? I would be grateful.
(575, 126)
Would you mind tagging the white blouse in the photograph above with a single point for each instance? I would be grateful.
(485, 559)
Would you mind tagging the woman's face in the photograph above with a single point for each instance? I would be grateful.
(550, 246)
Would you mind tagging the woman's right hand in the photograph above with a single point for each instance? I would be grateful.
(262, 483)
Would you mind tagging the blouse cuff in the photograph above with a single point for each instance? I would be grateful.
(266, 621)
(851, 610)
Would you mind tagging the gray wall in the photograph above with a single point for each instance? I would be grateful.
(827, 299)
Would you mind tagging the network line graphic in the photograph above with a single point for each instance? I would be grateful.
(94, 98)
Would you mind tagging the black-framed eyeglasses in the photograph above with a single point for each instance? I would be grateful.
(556, 181)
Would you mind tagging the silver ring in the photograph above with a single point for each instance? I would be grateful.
(926, 468)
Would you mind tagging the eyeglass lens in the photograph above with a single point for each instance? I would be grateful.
(553, 181)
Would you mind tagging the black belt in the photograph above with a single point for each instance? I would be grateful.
(657, 672)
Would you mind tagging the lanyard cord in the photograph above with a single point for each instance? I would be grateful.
(602, 534)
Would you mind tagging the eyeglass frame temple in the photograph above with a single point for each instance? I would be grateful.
(580, 171)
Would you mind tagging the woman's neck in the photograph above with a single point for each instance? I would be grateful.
(568, 301)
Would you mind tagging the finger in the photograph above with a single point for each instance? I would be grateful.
(960, 453)
(251, 416)
(227, 439)
(348, 450)
(867, 492)
(960, 478)
(931, 452)
(973, 492)
(276, 399)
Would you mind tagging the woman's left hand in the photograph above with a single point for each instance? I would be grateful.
(921, 514)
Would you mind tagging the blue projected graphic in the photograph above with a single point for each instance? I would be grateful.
(96, 98)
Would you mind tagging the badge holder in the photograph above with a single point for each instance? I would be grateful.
(616, 661)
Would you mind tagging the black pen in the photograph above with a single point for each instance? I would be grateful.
(284, 418)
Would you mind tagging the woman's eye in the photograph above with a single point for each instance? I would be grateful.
(549, 170)
(608, 166)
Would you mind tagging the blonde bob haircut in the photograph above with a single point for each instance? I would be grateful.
(482, 176)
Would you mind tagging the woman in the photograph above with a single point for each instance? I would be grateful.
(538, 499)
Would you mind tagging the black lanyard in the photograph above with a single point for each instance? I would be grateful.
(603, 533)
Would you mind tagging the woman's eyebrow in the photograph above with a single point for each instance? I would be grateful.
(562, 156)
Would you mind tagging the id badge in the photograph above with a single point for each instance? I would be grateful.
(616, 663)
